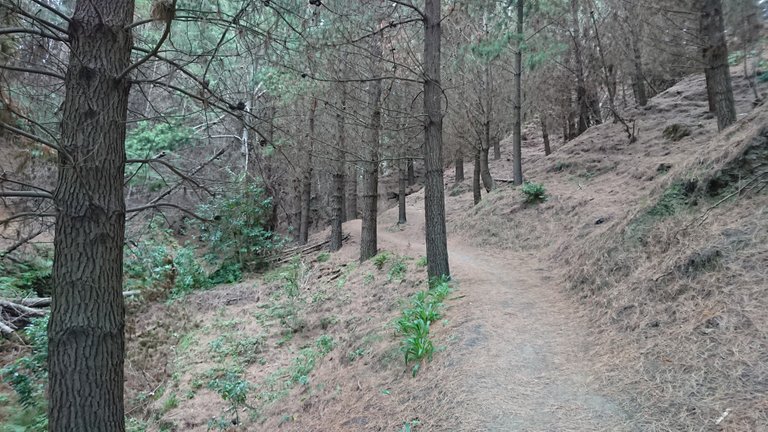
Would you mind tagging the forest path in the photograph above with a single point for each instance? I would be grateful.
(518, 359)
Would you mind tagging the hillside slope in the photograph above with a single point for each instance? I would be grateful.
(663, 240)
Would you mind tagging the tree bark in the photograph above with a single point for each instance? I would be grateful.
(545, 135)
(86, 330)
(411, 173)
(401, 192)
(306, 180)
(517, 144)
(459, 167)
(715, 54)
(368, 236)
(635, 38)
(337, 210)
(485, 169)
(434, 198)
(476, 192)
(351, 186)
(581, 86)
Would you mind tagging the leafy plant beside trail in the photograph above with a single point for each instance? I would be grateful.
(414, 325)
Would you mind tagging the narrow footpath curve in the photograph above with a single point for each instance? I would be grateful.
(519, 362)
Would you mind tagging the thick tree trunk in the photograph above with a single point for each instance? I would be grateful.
(517, 144)
(337, 200)
(401, 192)
(496, 149)
(459, 167)
(368, 236)
(476, 192)
(545, 135)
(86, 331)
(306, 180)
(715, 54)
(434, 198)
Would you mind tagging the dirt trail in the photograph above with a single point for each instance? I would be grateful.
(519, 360)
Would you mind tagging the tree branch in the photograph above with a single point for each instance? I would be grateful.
(157, 206)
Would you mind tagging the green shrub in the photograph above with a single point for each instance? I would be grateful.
(397, 271)
(28, 278)
(380, 259)
(147, 140)
(323, 257)
(161, 268)
(238, 236)
(534, 192)
(27, 377)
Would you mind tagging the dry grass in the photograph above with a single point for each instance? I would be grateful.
(677, 298)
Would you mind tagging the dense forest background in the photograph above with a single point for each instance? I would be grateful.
(152, 150)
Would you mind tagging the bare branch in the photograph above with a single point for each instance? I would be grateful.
(158, 206)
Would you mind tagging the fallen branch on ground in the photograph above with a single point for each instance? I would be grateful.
(15, 314)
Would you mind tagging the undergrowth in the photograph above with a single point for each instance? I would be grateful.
(27, 377)
(415, 322)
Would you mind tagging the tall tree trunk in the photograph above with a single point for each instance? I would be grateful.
(608, 76)
(635, 40)
(485, 169)
(476, 192)
(581, 86)
(337, 210)
(496, 149)
(434, 194)
(351, 186)
(411, 173)
(545, 136)
(715, 54)
(306, 180)
(401, 192)
(86, 330)
(459, 167)
(368, 236)
(517, 144)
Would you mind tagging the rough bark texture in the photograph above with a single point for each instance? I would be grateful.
(459, 167)
(496, 149)
(86, 330)
(351, 186)
(545, 136)
(476, 192)
(337, 198)
(306, 179)
(368, 237)
(715, 53)
(517, 143)
(434, 192)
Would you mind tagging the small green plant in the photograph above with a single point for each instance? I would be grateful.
(233, 388)
(410, 426)
(356, 354)
(397, 271)
(534, 192)
(369, 278)
(422, 261)
(380, 259)
(323, 257)
(325, 344)
(415, 322)
(170, 402)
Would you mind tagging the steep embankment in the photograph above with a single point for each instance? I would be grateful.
(664, 241)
